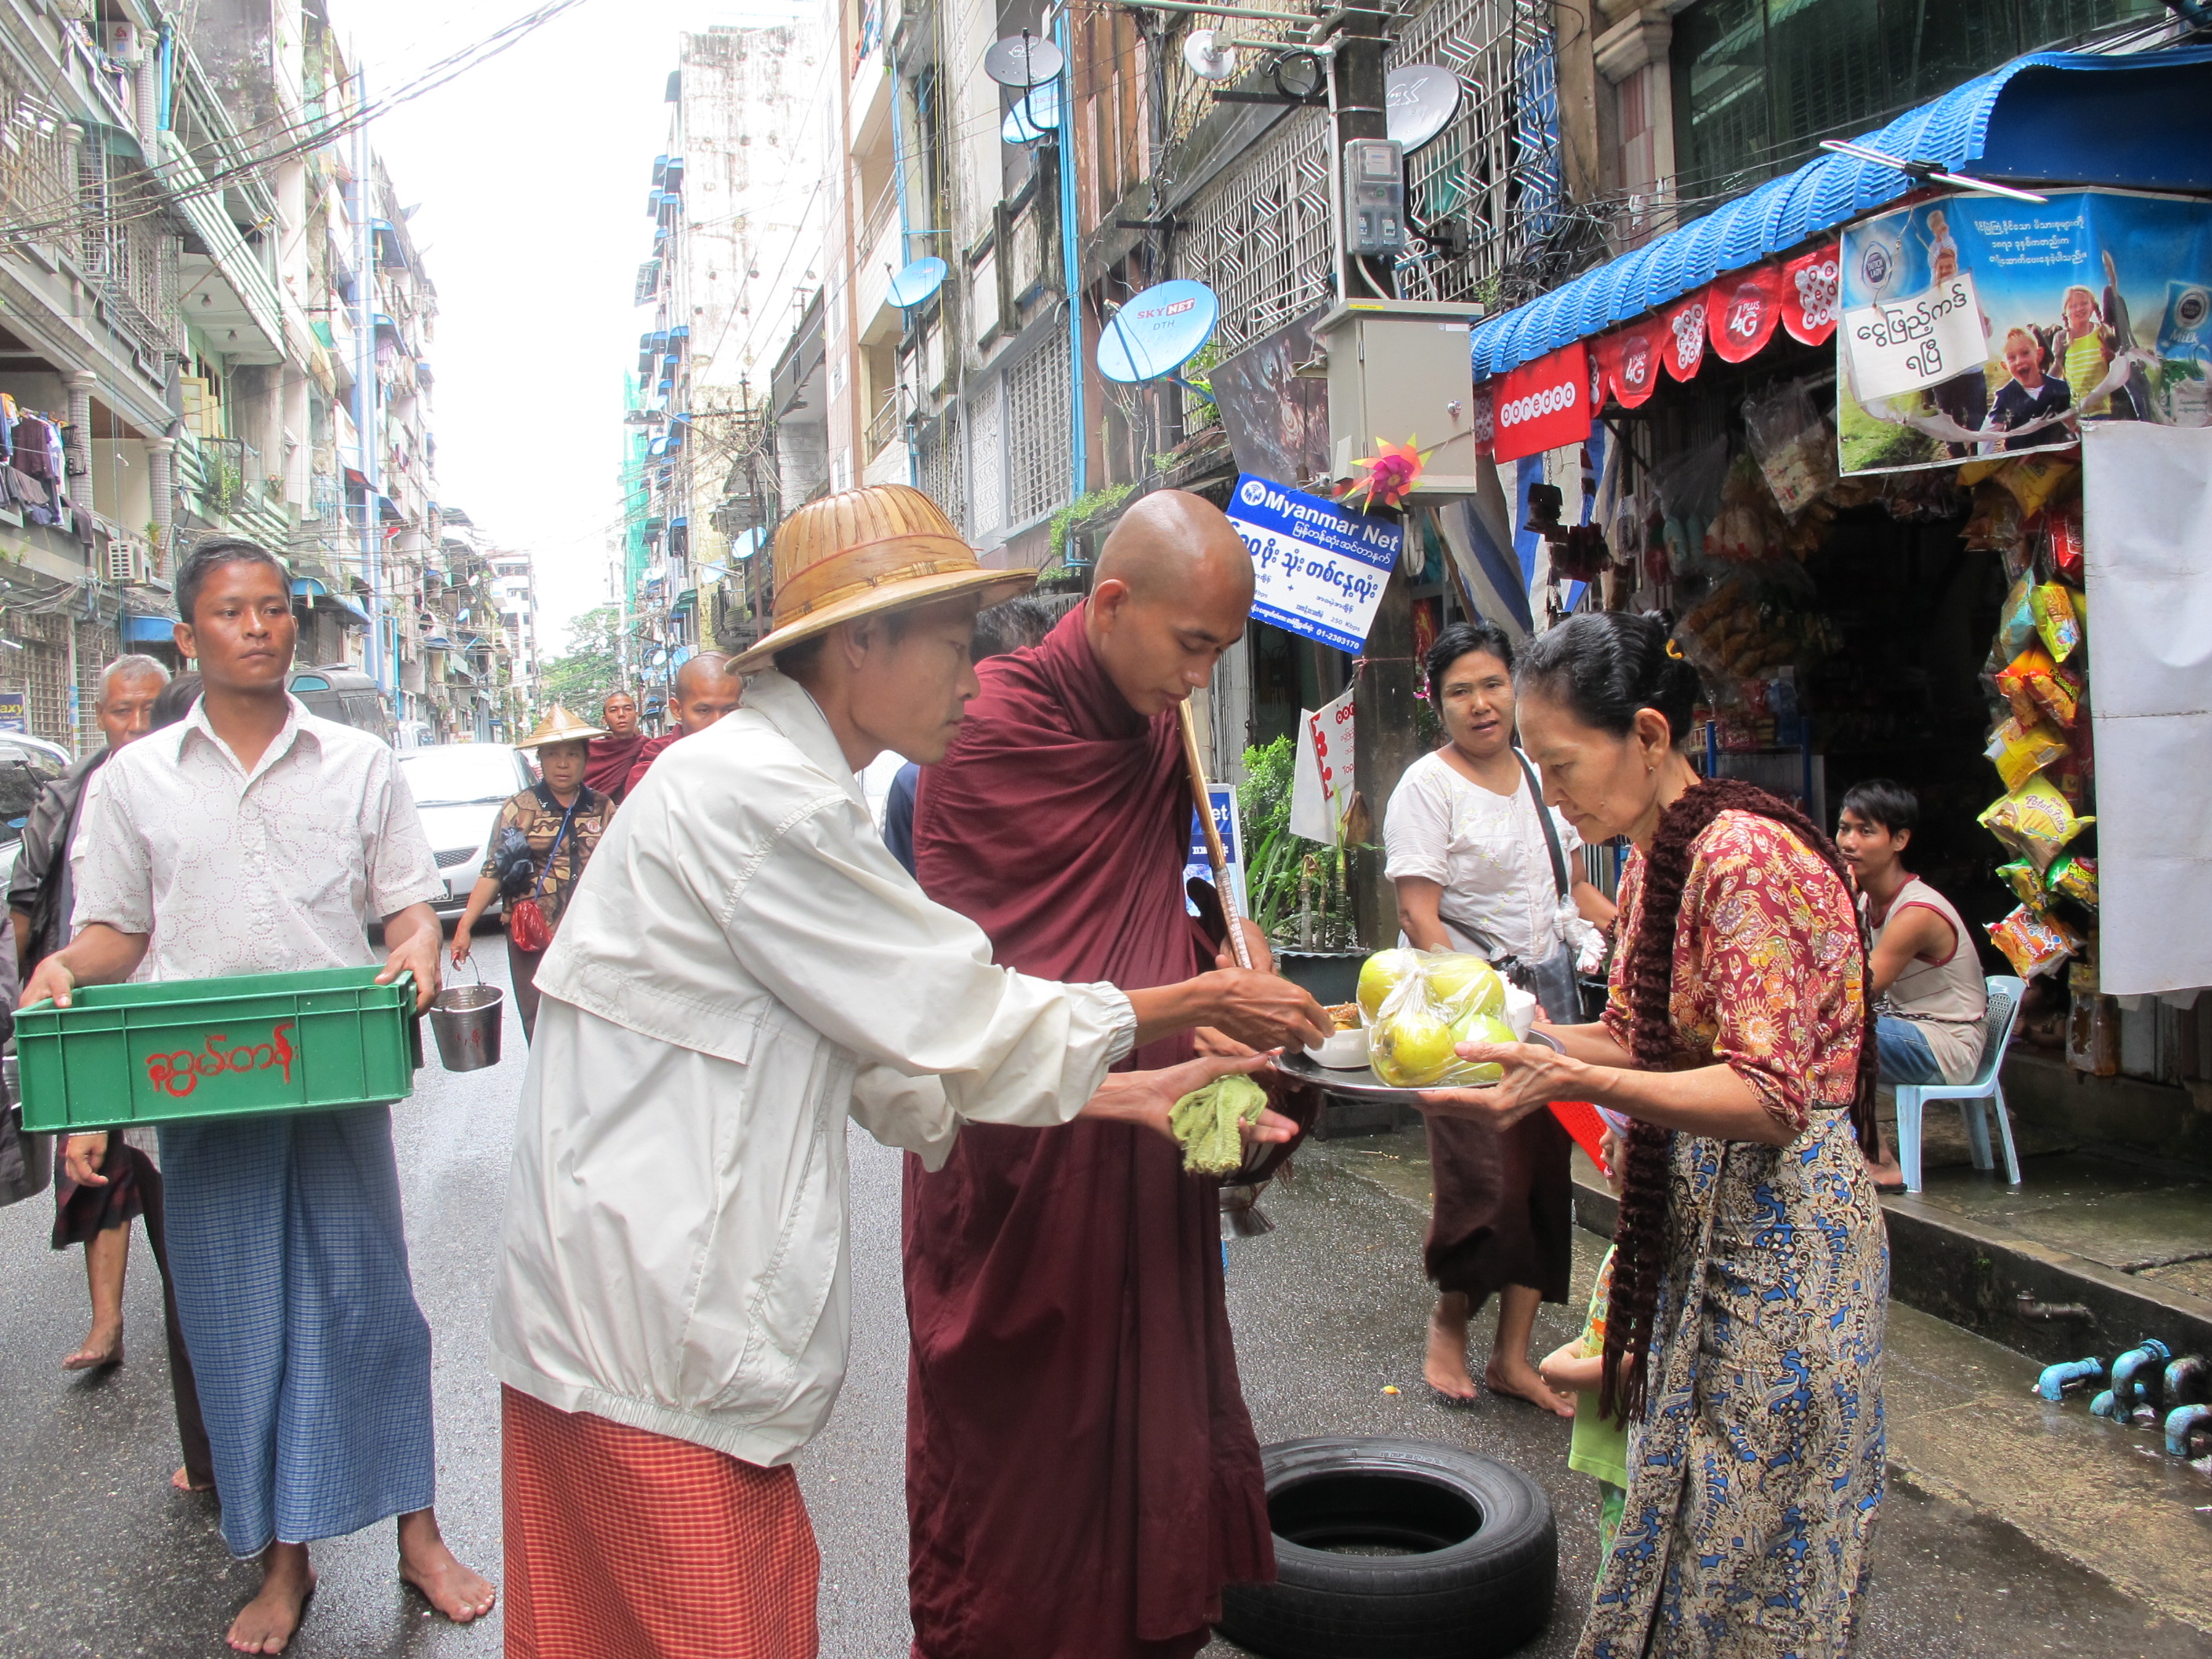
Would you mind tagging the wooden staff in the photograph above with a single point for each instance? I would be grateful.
(1216, 855)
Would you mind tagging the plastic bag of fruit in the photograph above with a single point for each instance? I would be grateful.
(1419, 1005)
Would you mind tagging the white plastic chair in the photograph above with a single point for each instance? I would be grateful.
(1982, 1088)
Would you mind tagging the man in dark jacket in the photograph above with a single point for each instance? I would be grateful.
(98, 1217)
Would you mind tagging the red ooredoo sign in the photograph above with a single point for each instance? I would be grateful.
(1543, 404)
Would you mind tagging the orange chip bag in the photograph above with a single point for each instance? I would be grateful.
(2037, 686)
(2034, 821)
(2035, 944)
(2019, 751)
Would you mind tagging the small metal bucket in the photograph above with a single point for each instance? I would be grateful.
(465, 1020)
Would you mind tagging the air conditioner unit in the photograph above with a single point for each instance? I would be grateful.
(121, 41)
(130, 561)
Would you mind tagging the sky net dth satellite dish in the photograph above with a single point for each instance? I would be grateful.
(1419, 100)
(1210, 56)
(1157, 331)
(1034, 115)
(912, 284)
(1022, 60)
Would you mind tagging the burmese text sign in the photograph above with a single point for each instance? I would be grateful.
(1318, 568)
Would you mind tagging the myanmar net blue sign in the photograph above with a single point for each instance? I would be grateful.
(1200, 863)
(1319, 568)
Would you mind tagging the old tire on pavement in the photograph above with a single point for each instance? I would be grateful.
(1397, 1549)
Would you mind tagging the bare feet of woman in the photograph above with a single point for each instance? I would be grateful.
(101, 1349)
(268, 1622)
(183, 1482)
(1444, 1369)
(1522, 1382)
(462, 1594)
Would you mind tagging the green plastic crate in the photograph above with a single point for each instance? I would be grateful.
(217, 1047)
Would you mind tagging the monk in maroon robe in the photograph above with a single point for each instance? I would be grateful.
(704, 692)
(606, 767)
(1082, 1477)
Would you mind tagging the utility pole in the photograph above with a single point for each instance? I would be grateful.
(367, 404)
(1387, 678)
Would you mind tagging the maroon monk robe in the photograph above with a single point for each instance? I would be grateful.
(1082, 1477)
(649, 751)
(607, 763)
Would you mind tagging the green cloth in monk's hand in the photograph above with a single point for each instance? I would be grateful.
(1206, 1122)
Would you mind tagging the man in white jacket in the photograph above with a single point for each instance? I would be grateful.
(744, 965)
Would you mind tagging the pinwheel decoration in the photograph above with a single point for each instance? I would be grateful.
(1391, 474)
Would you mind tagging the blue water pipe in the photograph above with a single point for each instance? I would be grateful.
(2136, 1375)
(2056, 1379)
(2184, 1421)
(2104, 1405)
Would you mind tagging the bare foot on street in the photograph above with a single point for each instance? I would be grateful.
(268, 1622)
(183, 1482)
(1444, 1369)
(461, 1593)
(100, 1350)
(1522, 1383)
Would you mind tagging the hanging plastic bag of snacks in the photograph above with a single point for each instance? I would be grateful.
(2034, 821)
(2056, 619)
(2034, 943)
(2035, 685)
(2073, 877)
(1791, 441)
(2019, 752)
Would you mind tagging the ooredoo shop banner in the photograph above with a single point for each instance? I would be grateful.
(1543, 404)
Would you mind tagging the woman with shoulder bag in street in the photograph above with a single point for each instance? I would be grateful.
(1481, 867)
(544, 839)
(1750, 1277)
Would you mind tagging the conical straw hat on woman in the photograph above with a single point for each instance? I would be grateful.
(885, 548)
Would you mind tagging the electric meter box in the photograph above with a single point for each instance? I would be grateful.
(1399, 370)
(1373, 197)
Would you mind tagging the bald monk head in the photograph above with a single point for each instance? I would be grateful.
(1173, 592)
(705, 690)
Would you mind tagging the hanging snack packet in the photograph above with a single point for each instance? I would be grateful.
(2066, 542)
(2033, 943)
(2019, 752)
(2016, 620)
(2020, 876)
(2057, 619)
(2035, 686)
(2073, 877)
(2034, 821)
(2034, 479)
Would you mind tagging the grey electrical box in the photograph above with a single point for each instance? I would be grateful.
(1374, 197)
(1400, 369)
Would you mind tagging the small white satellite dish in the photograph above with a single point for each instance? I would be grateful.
(1927, 173)
(1034, 115)
(1210, 56)
(1157, 331)
(1022, 60)
(912, 284)
(1419, 100)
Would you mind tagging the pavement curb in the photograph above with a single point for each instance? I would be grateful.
(2031, 1298)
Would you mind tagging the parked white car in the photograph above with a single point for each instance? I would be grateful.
(27, 765)
(459, 787)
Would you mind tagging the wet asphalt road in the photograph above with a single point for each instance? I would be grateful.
(98, 1557)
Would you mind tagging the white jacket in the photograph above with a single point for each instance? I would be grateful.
(743, 965)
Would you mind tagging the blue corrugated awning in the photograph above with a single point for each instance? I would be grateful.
(2140, 121)
(309, 588)
(150, 630)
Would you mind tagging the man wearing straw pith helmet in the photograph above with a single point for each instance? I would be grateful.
(743, 966)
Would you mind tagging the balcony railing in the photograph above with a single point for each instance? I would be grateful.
(883, 426)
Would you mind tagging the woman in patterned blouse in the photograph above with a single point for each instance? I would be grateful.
(1752, 1278)
(544, 837)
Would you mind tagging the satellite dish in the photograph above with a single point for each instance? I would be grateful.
(1210, 56)
(916, 282)
(1022, 60)
(1927, 173)
(1035, 113)
(1421, 100)
(1157, 331)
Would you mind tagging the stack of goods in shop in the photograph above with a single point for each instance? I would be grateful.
(2029, 511)
(1750, 639)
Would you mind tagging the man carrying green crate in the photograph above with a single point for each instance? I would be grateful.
(250, 838)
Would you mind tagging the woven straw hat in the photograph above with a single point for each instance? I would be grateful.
(559, 726)
(884, 548)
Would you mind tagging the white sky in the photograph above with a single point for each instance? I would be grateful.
(531, 172)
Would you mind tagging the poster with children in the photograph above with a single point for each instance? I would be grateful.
(1977, 326)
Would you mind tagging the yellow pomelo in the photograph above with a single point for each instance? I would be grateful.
(1411, 1050)
(1381, 974)
(1467, 980)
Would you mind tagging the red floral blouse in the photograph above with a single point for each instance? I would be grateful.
(1768, 965)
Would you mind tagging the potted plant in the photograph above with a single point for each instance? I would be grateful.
(1300, 895)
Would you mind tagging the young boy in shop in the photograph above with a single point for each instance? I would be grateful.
(1929, 994)
(1599, 1448)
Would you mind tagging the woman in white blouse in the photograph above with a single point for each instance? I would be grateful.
(1475, 871)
